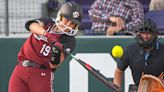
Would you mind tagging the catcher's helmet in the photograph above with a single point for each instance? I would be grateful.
(148, 26)
(73, 12)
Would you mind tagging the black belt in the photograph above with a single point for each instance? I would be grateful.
(28, 63)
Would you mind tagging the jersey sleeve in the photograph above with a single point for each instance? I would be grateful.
(123, 62)
(68, 42)
(45, 22)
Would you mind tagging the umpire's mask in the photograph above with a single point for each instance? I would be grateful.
(147, 34)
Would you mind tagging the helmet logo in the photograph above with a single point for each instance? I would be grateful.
(76, 14)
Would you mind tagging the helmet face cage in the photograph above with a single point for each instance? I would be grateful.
(72, 12)
(147, 27)
(72, 31)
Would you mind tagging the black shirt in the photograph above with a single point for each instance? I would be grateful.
(140, 61)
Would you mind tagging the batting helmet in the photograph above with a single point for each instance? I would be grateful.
(148, 26)
(73, 12)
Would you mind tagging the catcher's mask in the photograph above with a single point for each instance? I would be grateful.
(148, 27)
(71, 11)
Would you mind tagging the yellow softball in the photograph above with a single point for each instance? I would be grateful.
(117, 51)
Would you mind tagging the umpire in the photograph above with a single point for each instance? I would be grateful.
(143, 57)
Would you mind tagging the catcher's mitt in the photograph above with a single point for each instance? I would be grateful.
(150, 83)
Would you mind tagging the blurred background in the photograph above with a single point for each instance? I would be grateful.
(14, 14)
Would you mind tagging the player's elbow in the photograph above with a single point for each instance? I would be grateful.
(28, 23)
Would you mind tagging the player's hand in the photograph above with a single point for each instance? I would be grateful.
(53, 66)
(118, 20)
(57, 47)
(113, 29)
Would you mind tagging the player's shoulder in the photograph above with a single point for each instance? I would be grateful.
(68, 41)
(133, 3)
(65, 38)
(132, 46)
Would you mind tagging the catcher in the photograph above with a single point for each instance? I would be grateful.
(144, 56)
(43, 52)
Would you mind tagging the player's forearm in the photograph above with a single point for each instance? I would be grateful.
(118, 77)
(37, 29)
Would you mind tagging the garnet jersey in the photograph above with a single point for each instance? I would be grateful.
(38, 48)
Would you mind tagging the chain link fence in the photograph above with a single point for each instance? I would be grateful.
(14, 14)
